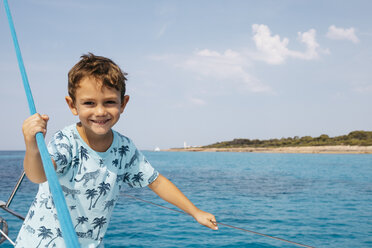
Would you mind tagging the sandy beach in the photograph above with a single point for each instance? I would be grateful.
(305, 149)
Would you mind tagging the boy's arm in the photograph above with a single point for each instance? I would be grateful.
(32, 163)
(170, 193)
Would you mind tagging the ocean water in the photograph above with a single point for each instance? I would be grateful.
(322, 200)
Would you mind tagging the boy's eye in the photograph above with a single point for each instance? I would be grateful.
(88, 103)
(111, 102)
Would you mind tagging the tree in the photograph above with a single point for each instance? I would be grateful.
(133, 159)
(81, 220)
(60, 135)
(115, 162)
(99, 222)
(83, 155)
(103, 188)
(137, 178)
(61, 157)
(75, 163)
(126, 177)
(91, 194)
(59, 234)
(44, 233)
(123, 151)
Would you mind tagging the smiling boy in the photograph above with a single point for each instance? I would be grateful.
(91, 161)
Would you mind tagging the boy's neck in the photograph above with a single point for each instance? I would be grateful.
(99, 143)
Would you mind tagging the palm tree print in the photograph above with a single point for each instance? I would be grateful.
(133, 159)
(137, 178)
(91, 194)
(103, 188)
(115, 162)
(67, 147)
(101, 162)
(60, 135)
(83, 155)
(44, 233)
(61, 157)
(81, 220)
(123, 151)
(99, 222)
(59, 234)
(75, 163)
(126, 177)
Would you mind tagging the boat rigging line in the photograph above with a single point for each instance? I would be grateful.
(220, 223)
(6, 236)
(4, 232)
(5, 206)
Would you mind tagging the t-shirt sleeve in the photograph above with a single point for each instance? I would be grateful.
(60, 151)
(139, 171)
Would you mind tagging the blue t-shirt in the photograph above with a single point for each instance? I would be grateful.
(91, 182)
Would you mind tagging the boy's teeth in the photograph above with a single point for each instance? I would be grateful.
(100, 122)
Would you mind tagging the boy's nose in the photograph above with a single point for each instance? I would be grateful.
(100, 110)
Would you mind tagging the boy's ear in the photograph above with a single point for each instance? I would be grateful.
(124, 103)
(71, 105)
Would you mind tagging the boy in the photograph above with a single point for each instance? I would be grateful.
(91, 161)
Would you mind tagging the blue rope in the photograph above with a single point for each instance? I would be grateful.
(64, 217)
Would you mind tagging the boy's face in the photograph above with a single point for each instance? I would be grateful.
(98, 107)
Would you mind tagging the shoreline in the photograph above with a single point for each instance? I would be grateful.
(304, 149)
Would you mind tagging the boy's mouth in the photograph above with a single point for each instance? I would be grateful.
(100, 122)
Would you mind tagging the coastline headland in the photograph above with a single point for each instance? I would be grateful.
(356, 142)
(301, 149)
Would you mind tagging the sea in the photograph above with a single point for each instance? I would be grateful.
(320, 200)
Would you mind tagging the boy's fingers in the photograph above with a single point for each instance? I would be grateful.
(45, 117)
(214, 224)
(206, 219)
(35, 123)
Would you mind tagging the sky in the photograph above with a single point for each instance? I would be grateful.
(199, 72)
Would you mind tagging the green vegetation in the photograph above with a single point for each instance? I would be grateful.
(355, 138)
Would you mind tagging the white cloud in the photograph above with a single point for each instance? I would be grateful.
(274, 50)
(197, 101)
(364, 88)
(229, 66)
(233, 67)
(342, 34)
(308, 38)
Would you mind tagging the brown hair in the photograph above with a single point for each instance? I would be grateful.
(102, 69)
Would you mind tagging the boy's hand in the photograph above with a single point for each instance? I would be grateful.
(32, 125)
(206, 219)
(32, 163)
